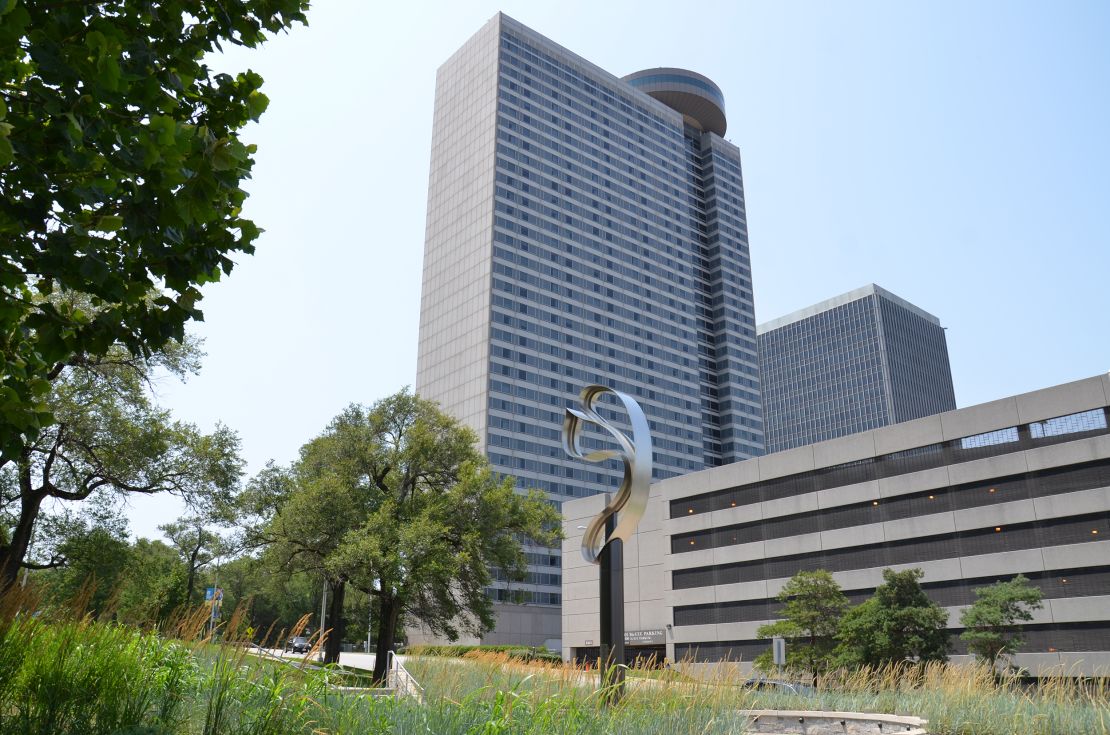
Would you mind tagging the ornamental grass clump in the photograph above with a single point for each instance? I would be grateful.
(88, 678)
(956, 699)
(496, 693)
(66, 674)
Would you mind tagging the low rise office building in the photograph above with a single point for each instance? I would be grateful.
(971, 497)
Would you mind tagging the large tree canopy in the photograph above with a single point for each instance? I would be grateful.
(120, 173)
(396, 501)
(111, 440)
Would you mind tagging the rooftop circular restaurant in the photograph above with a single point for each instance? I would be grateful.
(698, 99)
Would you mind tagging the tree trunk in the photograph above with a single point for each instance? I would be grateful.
(13, 554)
(387, 628)
(192, 576)
(337, 591)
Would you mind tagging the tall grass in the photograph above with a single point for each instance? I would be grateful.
(89, 678)
(967, 699)
(69, 675)
(956, 700)
(83, 677)
(62, 674)
(492, 693)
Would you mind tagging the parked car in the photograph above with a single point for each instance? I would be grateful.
(299, 644)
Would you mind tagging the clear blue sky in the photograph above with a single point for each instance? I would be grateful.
(955, 153)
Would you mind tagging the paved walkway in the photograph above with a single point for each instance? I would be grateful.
(360, 660)
(355, 660)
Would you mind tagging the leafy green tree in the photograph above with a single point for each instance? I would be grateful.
(276, 599)
(111, 440)
(812, 607)
(309, 526)
(992, 623)
(140, 583)
(899, 622)
(196, 544)
(89, 556)
(397, 502)
(152, 585)
(120, 175)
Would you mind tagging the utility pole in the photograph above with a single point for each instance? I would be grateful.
(217, 600)
(369, 620)
(376, 586)
(323, 615)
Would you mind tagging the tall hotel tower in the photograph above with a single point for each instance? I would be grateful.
(583, 228)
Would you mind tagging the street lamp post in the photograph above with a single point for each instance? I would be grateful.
(323, 616)
(217, 600)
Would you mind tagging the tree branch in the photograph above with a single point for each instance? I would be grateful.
(48, 465)
(54, 563)
(379, 479)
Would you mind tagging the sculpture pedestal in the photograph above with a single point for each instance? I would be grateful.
(611, 659)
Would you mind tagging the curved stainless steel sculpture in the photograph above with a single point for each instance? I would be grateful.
(631, 498)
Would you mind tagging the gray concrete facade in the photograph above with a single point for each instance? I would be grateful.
(972, 496)
(453, 357)
(582, 230)
(644, 597)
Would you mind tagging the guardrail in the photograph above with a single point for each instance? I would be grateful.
(401, 681)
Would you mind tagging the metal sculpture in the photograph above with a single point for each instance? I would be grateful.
(603, 542)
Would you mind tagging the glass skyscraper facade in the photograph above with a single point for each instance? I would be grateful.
(582, 229)
(859, 361)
